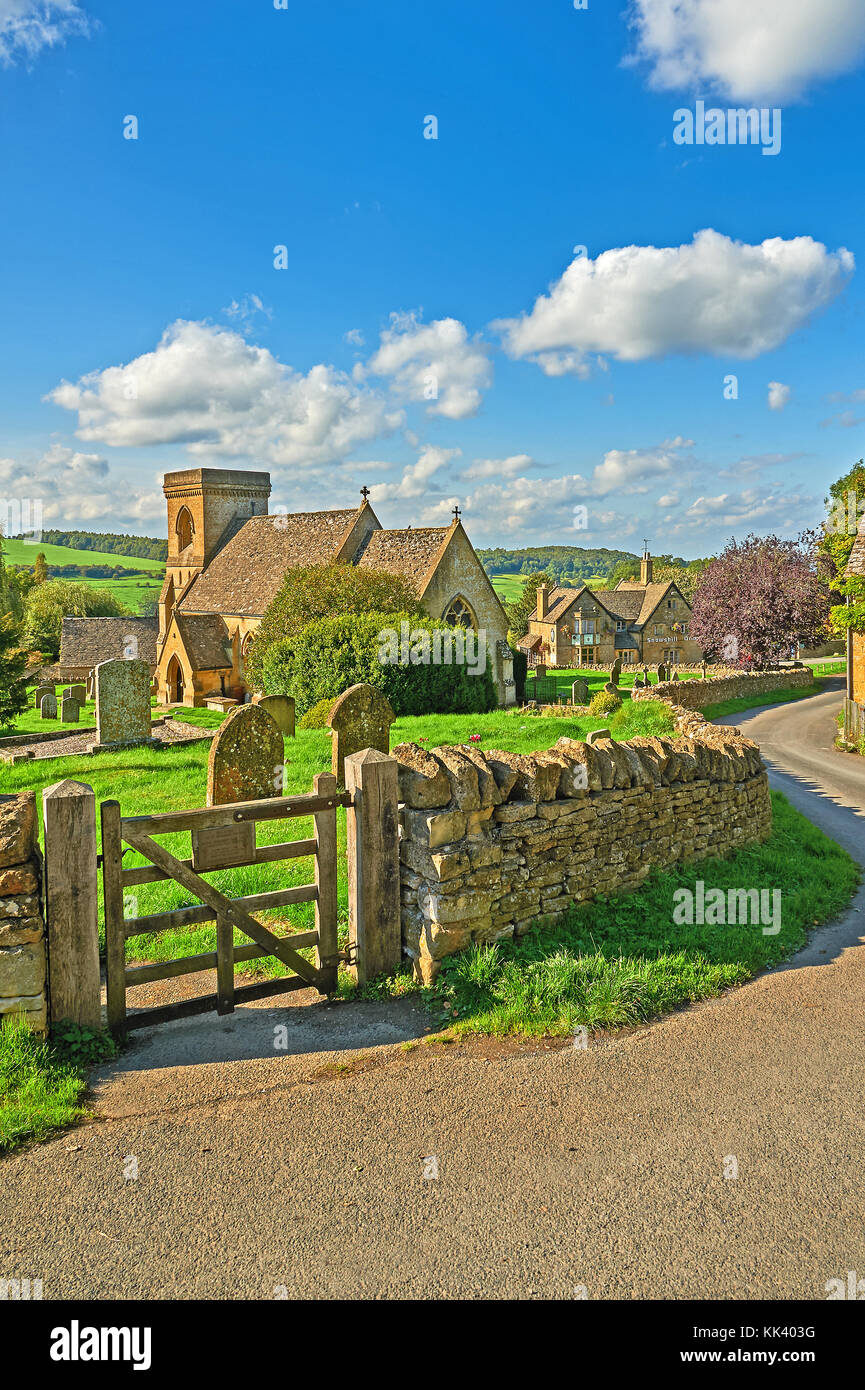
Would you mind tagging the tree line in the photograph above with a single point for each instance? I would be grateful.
(109, 542)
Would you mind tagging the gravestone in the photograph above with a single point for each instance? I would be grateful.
(122, 704)
(611, 689)
(580, 693)
(360, 718)
(662, 672)
(616, 671)
(48, 706)
(281, 707)
(76, 692)
(70, 710)
(639, 683)
(91, 685)
(675, 675)
(245, 764)
(540, 671)
(705, 670)
(39, 692)
(646, 681)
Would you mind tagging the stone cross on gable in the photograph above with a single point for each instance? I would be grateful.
(364, 492)
(456, 513)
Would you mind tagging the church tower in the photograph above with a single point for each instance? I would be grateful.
(205, 507)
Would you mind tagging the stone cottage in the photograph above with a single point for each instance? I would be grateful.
(227, 556)
(640, 621)
(84, 642)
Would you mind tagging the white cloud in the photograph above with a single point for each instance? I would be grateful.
(207, 388)
(433, 362)
(713, 295)
(416, 477)
(245, 311)
(28, 26)
(355, 337)
(499, 468)
(754, 507)
(670, 499)
(779, 395)
(77, 489)
(761, 50)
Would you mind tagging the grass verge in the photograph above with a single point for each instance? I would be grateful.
(42, 1083)
(624, 960)
(777, 697)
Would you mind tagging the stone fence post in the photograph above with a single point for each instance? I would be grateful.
(372, 834)
(71, 902)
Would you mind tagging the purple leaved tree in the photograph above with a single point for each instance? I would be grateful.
(758, 598)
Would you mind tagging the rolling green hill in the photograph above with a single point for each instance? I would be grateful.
(25, 552)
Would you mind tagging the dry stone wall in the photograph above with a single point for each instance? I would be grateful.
(22, 927)
(492, 841)
(697, 694)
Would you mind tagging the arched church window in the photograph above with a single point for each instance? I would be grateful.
(459, 614)
(184, 528)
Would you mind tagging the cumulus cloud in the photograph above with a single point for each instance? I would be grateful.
(499, 468)
(416, 477)
(535, 508)
(28, 26)
(779, 395)
(434, 362)
(207, 388)
(669, 499)
(754, 508)
(75, 488)
(760, 50)
(712, 295)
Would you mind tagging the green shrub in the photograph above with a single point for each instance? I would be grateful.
(605, 702)
(331, 654)
(317, 716)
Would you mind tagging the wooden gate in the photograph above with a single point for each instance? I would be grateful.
(222, 837)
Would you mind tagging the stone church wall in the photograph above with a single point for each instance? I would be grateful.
(493, 841)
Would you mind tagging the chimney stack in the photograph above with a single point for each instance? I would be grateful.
(646, 568)
(542, 600)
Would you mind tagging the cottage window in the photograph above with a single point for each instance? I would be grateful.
(620, 625)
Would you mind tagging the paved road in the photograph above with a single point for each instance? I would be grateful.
(302, 1172)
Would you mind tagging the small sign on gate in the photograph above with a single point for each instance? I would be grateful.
(223, 846)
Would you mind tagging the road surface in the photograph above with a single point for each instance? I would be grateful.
(347, 1166)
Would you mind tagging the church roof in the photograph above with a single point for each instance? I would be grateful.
(206, 641)
(87, 641)
(409, 551)
(247, 572)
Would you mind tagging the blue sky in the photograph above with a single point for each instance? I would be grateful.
(434, 333)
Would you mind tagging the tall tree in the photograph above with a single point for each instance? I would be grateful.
(46, 605)
(40, 568)
(758, 598)
(845, 506)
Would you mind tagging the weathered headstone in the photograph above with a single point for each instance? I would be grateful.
(245, 764)
(611, 689)
(48, 706)
(540, 671)
(281, 707)
(675, 675)
(122, 704)
(70, 710)
(360, 718)
(41, 690)
(662, 672)
(79, 693)
(639, 683)
(580, 692)
(91, 686)
(616, 671)
(705, 670)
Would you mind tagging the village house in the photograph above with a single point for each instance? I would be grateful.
(854, 704)
(642, 622)
(227, 556)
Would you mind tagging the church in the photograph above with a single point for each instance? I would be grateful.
(227, 556)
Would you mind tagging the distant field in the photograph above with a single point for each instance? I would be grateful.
(134, 591)
(25, 552)
(510, 586)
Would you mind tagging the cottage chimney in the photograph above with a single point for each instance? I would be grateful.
(543, 594)
(646, 568)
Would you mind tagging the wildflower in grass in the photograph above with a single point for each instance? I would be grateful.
(475, 738)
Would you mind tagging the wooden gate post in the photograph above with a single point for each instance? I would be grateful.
(71, 902)
(372, 833)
